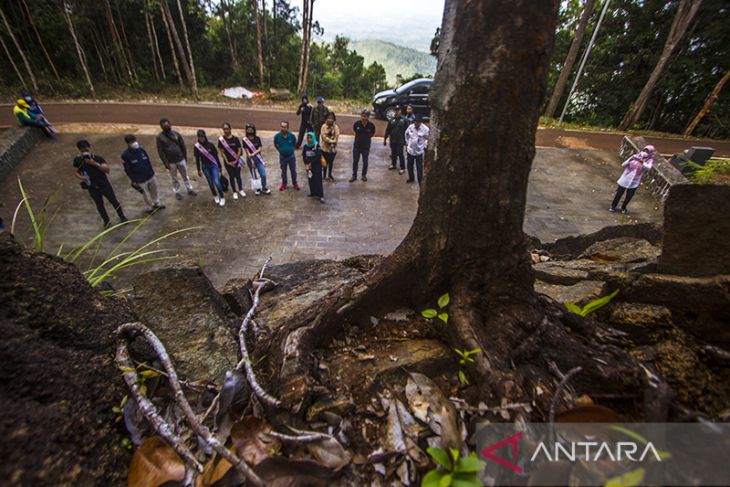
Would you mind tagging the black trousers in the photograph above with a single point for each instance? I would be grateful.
(396, 154)
(234, 176)
(304, 127)
(98, 195)
(330, 158)
(418, 161)
(619, 192)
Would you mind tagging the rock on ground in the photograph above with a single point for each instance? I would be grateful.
(180, 305)
(580, 293)
(58, 381)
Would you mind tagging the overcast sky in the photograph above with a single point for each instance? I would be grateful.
(407, 22)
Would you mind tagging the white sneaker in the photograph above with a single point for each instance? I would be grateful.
(217, 199)
(242, 193)
(235, 195)
(222, 202)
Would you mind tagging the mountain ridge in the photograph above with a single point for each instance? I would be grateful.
(396, 59)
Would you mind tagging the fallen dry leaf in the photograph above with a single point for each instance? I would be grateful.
(154, 463)
(251, 441)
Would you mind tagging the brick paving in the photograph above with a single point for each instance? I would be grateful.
(569, 194)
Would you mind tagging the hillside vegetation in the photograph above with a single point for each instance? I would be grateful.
(395, 59)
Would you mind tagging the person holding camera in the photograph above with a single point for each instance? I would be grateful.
(330, 135)
(305, 111)
(92, 170)
(139, 169)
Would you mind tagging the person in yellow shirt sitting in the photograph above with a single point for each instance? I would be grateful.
(25, 117)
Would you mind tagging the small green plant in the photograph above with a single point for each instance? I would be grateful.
(453, 470)
(465, 358)
(714, 171)
(144, 374)
(594, 305)
(431, 313)
(37, 220)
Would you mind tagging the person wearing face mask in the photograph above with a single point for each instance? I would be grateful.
(92, 170)
(255, 161)
(172, 151)
(231, 150)
(207, 162)
(284, 141)
(364, 131)
(330, 135)
(138, 166)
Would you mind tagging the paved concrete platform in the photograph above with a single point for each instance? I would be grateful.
(569, 194)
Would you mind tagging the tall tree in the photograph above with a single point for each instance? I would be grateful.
(259, 49)
(79, 50)
(308, 45)
(686, 11)
(708, 104)
(227, 26)
(12, 63)
(305, 20)
(570, 59)
(125, 43)
(40, 39)
(119, 52)
(467, 235)
(150, 40)
(168, 29)
(193, 78)
(170, 24)
(21, 53)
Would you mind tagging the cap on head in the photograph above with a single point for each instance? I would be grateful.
(320, 99)
(365, 112)
(418, 119)
(397, 108)
(129, 138)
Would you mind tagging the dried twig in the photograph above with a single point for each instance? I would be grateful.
(192, 420)
(306, 437)
(558, 394)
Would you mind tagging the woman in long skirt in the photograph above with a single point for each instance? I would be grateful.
(313, 162)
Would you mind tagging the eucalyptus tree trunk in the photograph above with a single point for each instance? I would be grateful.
(40, 40)
(161, 62)
(570, 59)
(305, 20)
(125, 44)
(172, 30)
(193, 78)
(168, 29)
(21, 53)
(707, 105)
(117, 42)
(308, 45)
(12, 63)
(151, 41)
(267, 47)
(685, 13)
(79, 50)
(259, 49)
(228, 26)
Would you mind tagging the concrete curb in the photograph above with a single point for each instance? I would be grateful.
(15, 144)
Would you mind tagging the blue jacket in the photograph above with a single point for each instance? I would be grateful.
(137, 165)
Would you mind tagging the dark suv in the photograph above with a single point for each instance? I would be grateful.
(412, 93)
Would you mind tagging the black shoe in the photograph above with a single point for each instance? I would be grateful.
(353, 179)
(410, 180)
(364, 178)
(178, 196)
(624, 210)
(107, 225)
(391, 168)
(192, 192)
(321, 200)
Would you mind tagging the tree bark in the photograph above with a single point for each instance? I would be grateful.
(685, 13)
(125, 44)
(305, 20)
(168, 29)
(467, 235)
(170, 24)
(707, 105)
(307, 46)
(20, 51)
(163, 74)
(150, 40)
(570, 59)
(267, 47)
(79, 50)
(224, 8)
(116, 41)
(259, 49)
(40, 40)
(193, 78)
(12, 63)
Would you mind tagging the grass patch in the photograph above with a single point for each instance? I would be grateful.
(715, 171)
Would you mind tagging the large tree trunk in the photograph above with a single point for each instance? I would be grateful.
(117, 42)
(467, 235)
(40, 40)
(707, 105)
(172, 30)
(150, 40)
(79, 51)
(307, 46)
(227, 26)
(28, 69)
(267, 47)
(685, 13)
(259, 49)
(570, 59)
(305, 19)
(125, 44)
(193, 79)
(168, 29)
(163, 74)
(12, 63)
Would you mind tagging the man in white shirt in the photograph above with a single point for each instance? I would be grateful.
(416, 140)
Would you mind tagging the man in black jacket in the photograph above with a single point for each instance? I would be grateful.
(91, 170)
(305, 111)
(171, 148)
(396, 130)
(138, 166)
(364, 131)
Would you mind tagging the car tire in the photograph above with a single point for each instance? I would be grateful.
(389, 113)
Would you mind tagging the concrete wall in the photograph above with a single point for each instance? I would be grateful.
(15, 144)
(661, 177)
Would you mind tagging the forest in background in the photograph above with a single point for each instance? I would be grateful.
(83, 48)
